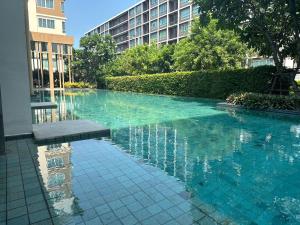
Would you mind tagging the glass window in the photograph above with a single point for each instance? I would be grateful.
(54, 48)
(196, 10)
(153, 37)
(131, 34)
(44, 46)
(46, 23)
(184, 2)
(163, 9)
(138, 9)
(45, 3)
(132, 43)
(184, 29)
(65, 49)
(131, 23)
(138, 31)
(139, 41)
(62, 6)
(163, 22)
(55, 163)
(32, 44)
(153, 3)
(153, 25)
(153, 13)
(185, 14)
(56, 180)
(138, 20)
(131, 13)
(64, 27)
(163, 35)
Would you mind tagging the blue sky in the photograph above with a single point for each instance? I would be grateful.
(85, 14)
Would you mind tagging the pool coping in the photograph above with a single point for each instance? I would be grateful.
(278, 111)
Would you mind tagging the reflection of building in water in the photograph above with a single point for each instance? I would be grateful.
(56, 170)
(64, 111)
(176, 150)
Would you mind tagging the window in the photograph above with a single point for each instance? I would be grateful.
(196, 10)
(153, 37)
(138, 31)
(153, 13)
(184, 2)
(131, 23)
(139, 41)
(46, 23)
(131, 34)
(32, 46)
(153, 3)
(162, 35)
(132, 43)
(62, 6)
(44, 46)
(185, 14)
(54, 48)
(45, 3)
(163, 9)
(131, 13)
(184, 29)
(65, 49)
(153, 25)
(55, 163)
(138, 9)
(138, 20)
(56, 180)
(64, 27)
(163, 22)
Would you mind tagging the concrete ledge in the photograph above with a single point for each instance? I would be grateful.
(68, 130)
(286, 112)
(43, 105)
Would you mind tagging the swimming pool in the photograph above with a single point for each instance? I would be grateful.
(246, 165)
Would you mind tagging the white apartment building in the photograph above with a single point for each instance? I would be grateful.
(161, 21)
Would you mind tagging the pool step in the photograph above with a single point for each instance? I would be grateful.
(43, 105)
(68, 130)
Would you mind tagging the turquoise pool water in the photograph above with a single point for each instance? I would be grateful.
(246, 165)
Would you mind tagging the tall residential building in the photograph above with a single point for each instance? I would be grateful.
(51, 48)
(161, 21)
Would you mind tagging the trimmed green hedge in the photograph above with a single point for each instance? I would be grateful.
(79, 85)
(265, 101)
(210, 84)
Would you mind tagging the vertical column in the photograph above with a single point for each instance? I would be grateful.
(178, 21)
(51, 76)
(2, 138)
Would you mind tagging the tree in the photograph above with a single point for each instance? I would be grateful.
(143, 59)
(91, 60)
(209, 48)
(272, 27)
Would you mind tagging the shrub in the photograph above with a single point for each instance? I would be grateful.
(210, 84)
(265, 101)
(79, 85)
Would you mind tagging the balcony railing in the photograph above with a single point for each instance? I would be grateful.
(2, 138)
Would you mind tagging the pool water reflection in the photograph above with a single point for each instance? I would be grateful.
(244, 164)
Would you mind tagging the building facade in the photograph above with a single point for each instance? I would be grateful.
(161, 21)
(51, 48)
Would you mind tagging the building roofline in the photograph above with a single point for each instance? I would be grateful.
(119, 14)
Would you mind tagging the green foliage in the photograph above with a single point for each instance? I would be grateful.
(79, 85)
(209, 48)
(142, 59)
(271, 27)
(265, 101)
(91, 59)
(207, 84)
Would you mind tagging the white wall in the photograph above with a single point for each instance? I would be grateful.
(14, 78)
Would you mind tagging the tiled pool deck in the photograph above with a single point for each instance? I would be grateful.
(91, 182)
